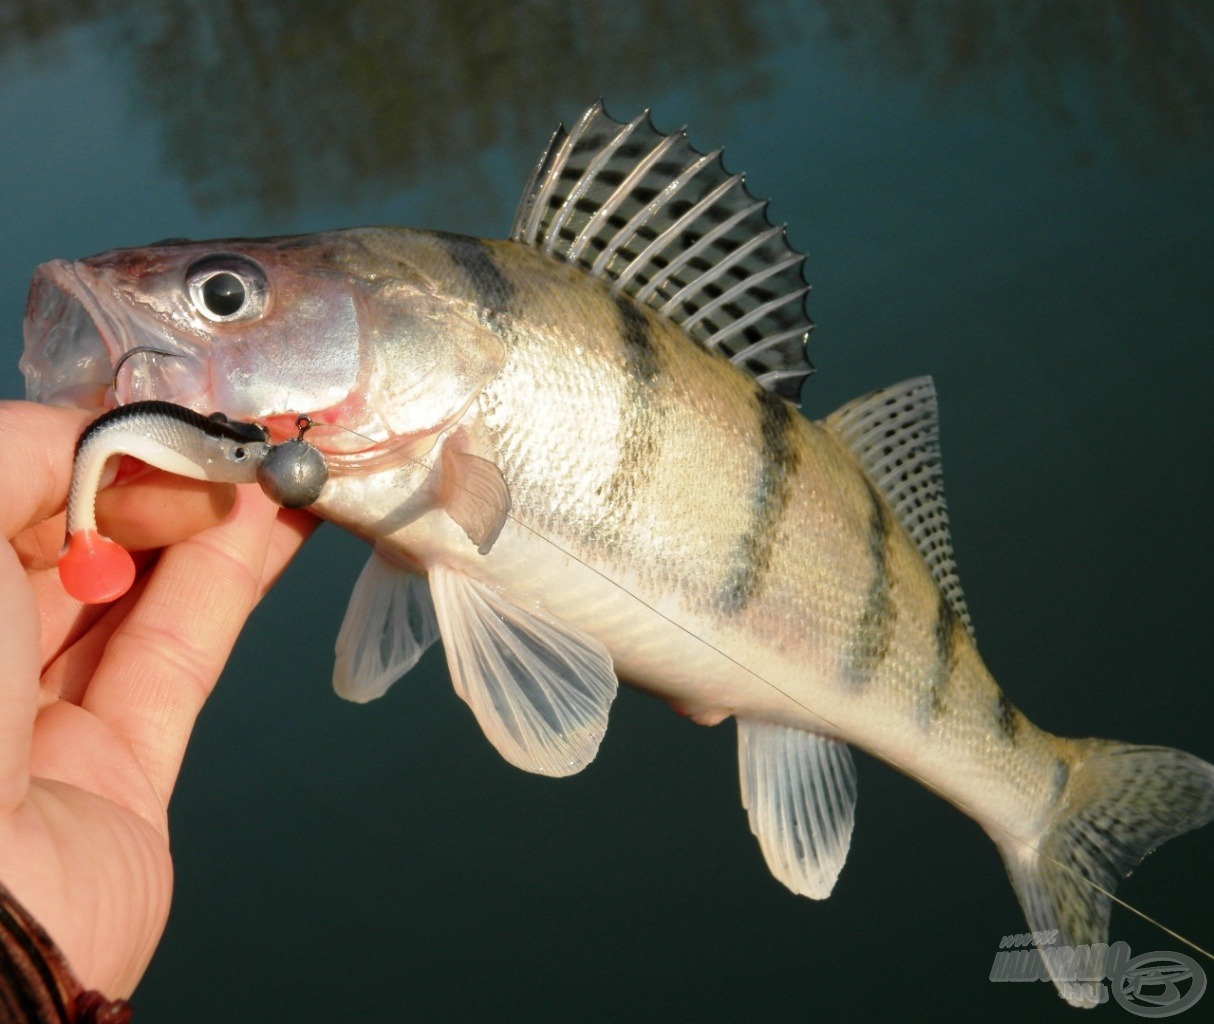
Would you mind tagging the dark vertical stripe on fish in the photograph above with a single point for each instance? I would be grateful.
(1062, 772)
(1007, 718)
(494, 292)
(778, 461)
(639, 353)
(874, 630)
(637, 439)
(948, 633)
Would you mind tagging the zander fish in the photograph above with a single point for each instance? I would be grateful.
(574, 454)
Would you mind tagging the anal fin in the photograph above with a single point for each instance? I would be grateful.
(539, 688)
(799, 789)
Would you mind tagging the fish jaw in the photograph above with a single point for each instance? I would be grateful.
(126, 326)
(348, 328)
(74, 340)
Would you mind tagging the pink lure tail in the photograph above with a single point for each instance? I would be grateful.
(95, 569)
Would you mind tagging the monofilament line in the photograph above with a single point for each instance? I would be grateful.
(893, 762)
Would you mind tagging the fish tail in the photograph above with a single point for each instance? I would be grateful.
(1119, 802)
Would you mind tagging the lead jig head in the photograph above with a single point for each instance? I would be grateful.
(294, 473)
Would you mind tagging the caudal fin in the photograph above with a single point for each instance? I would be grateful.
(1120, 802)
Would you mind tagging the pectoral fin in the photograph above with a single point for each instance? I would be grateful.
(539, 688)
(475, 494)
(800, 791)
(389, 624)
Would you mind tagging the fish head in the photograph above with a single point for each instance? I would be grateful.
(334, 326)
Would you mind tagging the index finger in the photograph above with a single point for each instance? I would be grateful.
(37, 443)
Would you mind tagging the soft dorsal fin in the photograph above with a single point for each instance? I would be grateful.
(895, 433)
(670, 227)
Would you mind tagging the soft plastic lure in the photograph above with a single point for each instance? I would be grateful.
(94, 568)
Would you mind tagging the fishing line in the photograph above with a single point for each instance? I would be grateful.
(892, 762)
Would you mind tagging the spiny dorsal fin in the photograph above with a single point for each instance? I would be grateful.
(895, 433)
(667, 225)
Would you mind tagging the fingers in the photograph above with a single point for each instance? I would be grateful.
(38, 443)
(18, 678)
(163, 658)
(158, 510)
(294, 526)
(67, 676)
(154, 511)
(84, 632)
(145, 665)
(161, 509)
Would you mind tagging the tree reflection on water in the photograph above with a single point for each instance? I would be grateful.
(1140, 75)
(280, 102)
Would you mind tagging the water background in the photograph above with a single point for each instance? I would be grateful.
(1017, 198)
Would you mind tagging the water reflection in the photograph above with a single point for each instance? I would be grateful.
(1141, 75)
(282, 103)
(288, 102)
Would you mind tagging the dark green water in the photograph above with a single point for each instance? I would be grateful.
(1015, 197)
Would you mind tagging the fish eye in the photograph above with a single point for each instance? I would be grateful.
(227, 288)
(240, 453)
(223, 294)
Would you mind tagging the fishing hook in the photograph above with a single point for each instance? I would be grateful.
(147, 350)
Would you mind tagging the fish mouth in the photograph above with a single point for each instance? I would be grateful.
(91, 345)
(74, 344)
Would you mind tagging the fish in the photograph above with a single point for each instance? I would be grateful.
(95, 569)
(577, 456)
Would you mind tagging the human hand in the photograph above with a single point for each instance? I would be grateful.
(97, 702)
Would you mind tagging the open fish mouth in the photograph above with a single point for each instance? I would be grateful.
(98, 335)
(73, 345)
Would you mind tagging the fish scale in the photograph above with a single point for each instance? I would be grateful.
(713, 469)
(572, 455)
